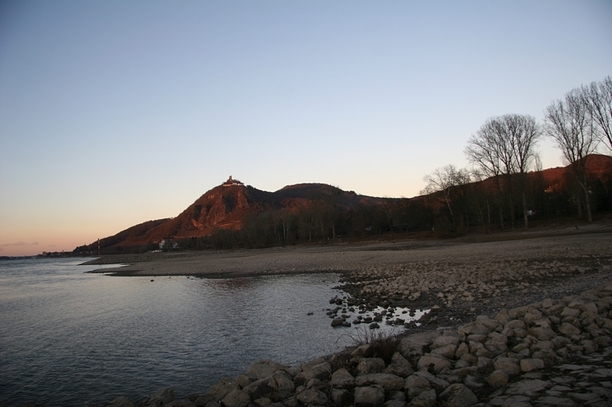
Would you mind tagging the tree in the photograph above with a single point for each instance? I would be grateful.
(446, 180)
(506, 146)
(571, 125)
(598, 99)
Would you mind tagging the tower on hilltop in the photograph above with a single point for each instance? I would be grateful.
(231, 182)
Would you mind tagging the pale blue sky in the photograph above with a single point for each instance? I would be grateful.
(113, 113)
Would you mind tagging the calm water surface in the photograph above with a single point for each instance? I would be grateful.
(68, 338)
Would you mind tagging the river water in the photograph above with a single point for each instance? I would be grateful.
(68, 338)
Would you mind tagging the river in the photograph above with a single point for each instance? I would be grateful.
(69, 338)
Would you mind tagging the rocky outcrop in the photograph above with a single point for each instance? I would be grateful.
(553, 352)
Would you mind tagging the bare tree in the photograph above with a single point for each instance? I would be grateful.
(598, 98)
(446, 179)
(506, 146)
(571, 125)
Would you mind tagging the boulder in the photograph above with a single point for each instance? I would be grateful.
(445, 340)
(416, 342)
(436, 362)
(389, 382)
(568, 329)
(427, 398)
(414, 385)
(222, 388)
(541, 333)
(436, 382)
(282, 384)
(528, 365)
(162, 396)
(258, 389)
(528, 387)
(340, 397)
(399, 366)
(263, 369)
(458, 395)
(313, 397)
(321, 371)
(369, 396)
(508, 365)
(342, 379)
(447, 351)
(236, 398)
(498, 378)
(370, 365)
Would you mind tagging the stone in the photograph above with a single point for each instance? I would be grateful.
(528, 365)
(541, 333)
(508, 365)
(528, 387)
(282, 384)
(447, 351)
(262, 402)
(498, 378)
(556, 401)
(222, 388)
(370, 365)
(458, 395)
(478, 349)
(244, 380)
(321, 371)
(263, 369)
(414, 385)
(337, 322)
(340, 397)
(426, 398)
(368, 396)
(568, 329)
(163, 396)
(258, 389)
(394, 403)
(389, 382)
(570, 312)
(473, 328)
(436, 382)
(399, 366)
(313, 397)
(515, 324)
(445, 340)
(462, 349)
(236, 398)
(438, 363)
(342, 379)
(416, 342)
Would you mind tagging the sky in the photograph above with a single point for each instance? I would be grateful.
(113, 113)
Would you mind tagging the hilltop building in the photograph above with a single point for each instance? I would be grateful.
(231, 182)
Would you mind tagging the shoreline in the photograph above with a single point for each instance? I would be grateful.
(463, 278)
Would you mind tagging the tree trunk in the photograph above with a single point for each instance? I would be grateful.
(525, 211)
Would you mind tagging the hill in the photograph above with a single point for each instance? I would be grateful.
(314, 211)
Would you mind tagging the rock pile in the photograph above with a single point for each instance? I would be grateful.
(553, 352)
